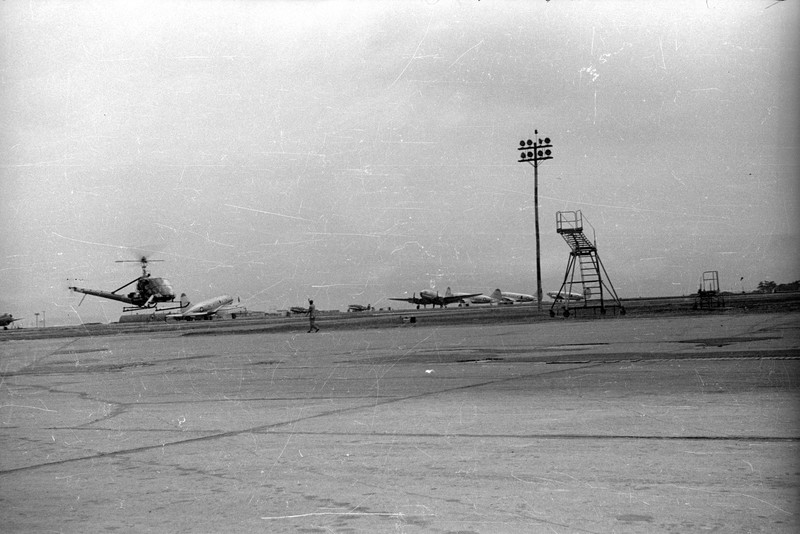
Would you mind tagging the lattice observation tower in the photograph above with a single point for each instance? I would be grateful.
(586, 283)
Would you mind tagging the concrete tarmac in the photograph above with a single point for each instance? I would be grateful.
(661, 424)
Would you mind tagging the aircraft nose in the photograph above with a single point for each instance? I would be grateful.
(165, 288)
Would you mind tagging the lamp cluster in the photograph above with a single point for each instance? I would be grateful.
(535, 151)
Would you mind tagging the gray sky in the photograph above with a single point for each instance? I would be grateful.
(353, 151)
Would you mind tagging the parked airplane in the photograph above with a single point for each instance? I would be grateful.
(515, 297)
(359, 308)
(206, 309)
(555, 295)
(298, 310)
(426, 296)
(6, 319)
(483, 299)
(502, 297)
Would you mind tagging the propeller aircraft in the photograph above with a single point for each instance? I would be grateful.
(206, 309)
(426, 296)
(7, 319)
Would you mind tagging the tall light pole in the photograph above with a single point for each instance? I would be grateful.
(534, 152)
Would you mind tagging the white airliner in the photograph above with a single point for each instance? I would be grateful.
(502, 297)
(206, 309)
(555, 295)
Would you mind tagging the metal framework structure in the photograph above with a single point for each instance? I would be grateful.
(584, 269)
(708, 295)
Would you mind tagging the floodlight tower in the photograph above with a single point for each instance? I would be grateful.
(534, 152)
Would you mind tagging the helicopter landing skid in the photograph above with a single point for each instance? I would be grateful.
(154, 309)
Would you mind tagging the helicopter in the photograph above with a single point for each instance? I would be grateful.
(149, 291)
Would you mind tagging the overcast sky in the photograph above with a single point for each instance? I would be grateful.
(354, 151)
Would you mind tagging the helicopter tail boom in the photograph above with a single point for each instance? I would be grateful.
(104, 294)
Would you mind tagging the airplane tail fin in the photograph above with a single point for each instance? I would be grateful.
(448, 293)
(184, 301)
(497, 294)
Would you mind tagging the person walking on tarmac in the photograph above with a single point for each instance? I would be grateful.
(312, 316)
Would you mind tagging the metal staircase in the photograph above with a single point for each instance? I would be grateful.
(584, 269)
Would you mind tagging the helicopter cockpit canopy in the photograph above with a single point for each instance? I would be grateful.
(157, 289)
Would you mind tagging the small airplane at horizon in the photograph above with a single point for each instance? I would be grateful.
(359, 307)
(7, 319)
(205, 309)
(427, 296)
(555, 295)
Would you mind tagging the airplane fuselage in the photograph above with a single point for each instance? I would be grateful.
(517, 297)
(502, 297)
(203, 309)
